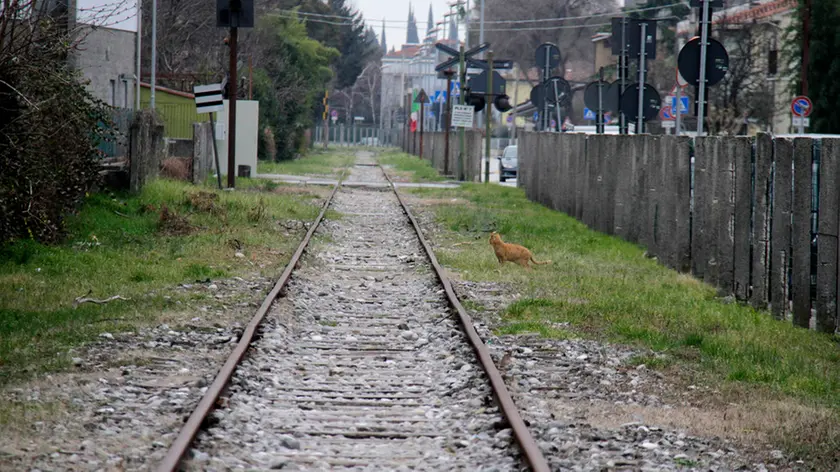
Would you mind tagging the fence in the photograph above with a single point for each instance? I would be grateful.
(178, 118)
(434, 147)
(342, 135)
(755, 217)
(117, 146)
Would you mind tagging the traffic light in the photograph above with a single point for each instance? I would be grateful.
(502, 103)
(476, 100)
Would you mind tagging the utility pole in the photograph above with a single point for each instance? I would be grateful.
(154, 55)
(461, 143)
(326, 117)
(488, 104)
(138, 66)
(234, 79)
(447, 121)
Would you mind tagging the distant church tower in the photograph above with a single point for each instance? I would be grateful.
(412, 37)
(384, 43)
(430, 24)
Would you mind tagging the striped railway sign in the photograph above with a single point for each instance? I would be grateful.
(208, 98)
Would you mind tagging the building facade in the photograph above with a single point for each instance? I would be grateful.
(106, 58)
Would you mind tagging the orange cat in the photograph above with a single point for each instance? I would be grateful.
(512, 252)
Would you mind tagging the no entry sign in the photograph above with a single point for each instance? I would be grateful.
(801, 106)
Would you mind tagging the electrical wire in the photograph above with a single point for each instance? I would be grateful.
(541, 20)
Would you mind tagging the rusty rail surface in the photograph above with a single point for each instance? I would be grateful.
(526, 442)
(205, 406)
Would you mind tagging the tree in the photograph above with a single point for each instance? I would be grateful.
(823, 63)
(50, 125)
(518, 41)
(292, 72)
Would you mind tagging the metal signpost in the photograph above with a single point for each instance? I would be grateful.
(703, 61)
(801, 108)
(489, 117)
(594, 98)
(233, 14)
(547, 57)
(208, 99)
(421, 98)
(459, 57)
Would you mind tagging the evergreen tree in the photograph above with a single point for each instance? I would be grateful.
(824, 66)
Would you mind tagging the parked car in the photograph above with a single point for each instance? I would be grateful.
(508, 164)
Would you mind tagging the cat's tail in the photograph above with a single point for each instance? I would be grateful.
(538, 262)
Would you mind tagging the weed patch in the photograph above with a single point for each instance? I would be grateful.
(605, 288)
(409, 167)
(139, 247)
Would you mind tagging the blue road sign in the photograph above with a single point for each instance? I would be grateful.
(456, 89)
(591, 115)
(536, 116)
(683, 104)
(553, 123)
(666, 113)
(436, 96)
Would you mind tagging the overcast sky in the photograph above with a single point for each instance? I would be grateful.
(395, 13)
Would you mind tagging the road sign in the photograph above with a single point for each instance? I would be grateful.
(712, 3)
(510, 119)
(421, 97)
(536, 116)
(665, 114)
(553, 123)
(483, 65)
(208, 98)
(612, 101)
(801, 106)
(593, 116)
(240, 16)
(717, 62)
(632, 36)
(538, 96)
(456, 54)
(478, 84)
(651, 104)
(681, 82)
(797, 120)
(672, 103)
(668, 123)
(334, 114)
(456, 89)
(553, 56)
(590, 94)
(462, 116)
(561, 94)
(334, 118)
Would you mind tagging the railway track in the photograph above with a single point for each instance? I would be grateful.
(366, 362)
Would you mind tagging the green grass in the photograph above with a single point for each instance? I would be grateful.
(419, 170)
(605, 288)
(116, 248)
(318, 162)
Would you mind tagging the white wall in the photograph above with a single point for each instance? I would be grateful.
(247, 132)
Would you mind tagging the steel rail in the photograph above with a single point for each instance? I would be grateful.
(191, 428)
(526, 442)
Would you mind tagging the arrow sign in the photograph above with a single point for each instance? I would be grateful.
(446, 64)
(481, 64)
(446, 49)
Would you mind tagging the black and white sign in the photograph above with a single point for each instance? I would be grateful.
(208, 98)
(462, 116)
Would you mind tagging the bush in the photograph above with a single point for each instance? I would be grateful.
(49, 130)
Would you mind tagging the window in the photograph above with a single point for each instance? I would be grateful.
(772, 62)
(113, 93)
(125, 94)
